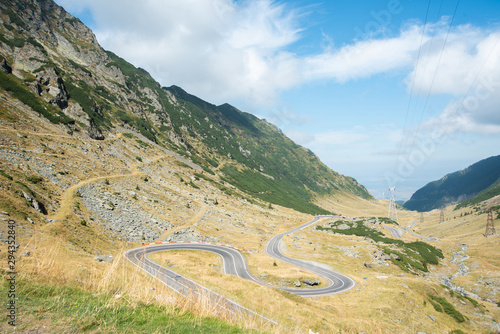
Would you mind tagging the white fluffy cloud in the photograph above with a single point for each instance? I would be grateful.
(469, 57)
(220, 49)
(224, 50)
(364, 58)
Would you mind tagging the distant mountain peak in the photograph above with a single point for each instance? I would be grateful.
(456, 187)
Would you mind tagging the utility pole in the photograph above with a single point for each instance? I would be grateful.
(490, 225)
(441, 216)
(393, 214)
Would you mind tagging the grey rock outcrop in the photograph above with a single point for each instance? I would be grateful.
(4, 67)
(34, 203)
(311, 282)
(123, 216)
(93, 131)
(103, 258)
(50, 84)
(188, 234)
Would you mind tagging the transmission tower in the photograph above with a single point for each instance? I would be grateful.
(490, 226)
(421, 217)
(441, 216)
(393, 213)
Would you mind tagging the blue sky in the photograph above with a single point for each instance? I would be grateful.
(392, 93)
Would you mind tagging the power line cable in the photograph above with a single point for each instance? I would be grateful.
(431, 44)
(481, 69)
(414, 77)
(404, 134)
(435, 74)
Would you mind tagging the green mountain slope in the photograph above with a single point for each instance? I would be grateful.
(480, 178)
(492, 191)
(54, 64)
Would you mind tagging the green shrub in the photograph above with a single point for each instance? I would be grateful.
(80, 67)
(82, 96)
(34, 42)
(125, 118)
(204, 177)
(5, 175)
(416, 254)
(208, 170)
(143, 144)
(14, 18)
(25, 187)
(436, 306)
(145, 129)
(35, 179)
(24, 95)
(447, 307)
(182, 164)
(213, 162)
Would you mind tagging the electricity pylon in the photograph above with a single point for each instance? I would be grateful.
(490, 225)
(393, 213)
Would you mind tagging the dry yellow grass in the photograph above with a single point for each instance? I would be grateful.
(52, 263)
(64, 250)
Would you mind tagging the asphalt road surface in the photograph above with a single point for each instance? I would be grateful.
(418, 235)
(234, 263)
(337, 282)
(397, 233)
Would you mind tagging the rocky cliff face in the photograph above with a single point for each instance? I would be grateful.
(54, 64)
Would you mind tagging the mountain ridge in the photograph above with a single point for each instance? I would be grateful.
(457, 187)
(86, 88)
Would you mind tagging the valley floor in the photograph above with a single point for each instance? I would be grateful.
(75, 200)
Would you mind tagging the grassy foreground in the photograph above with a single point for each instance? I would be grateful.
(66, 291)
(62, 309)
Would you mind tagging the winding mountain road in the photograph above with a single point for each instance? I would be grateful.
(234, 263)
(397, 233)
(418, 235)
(337, 282)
